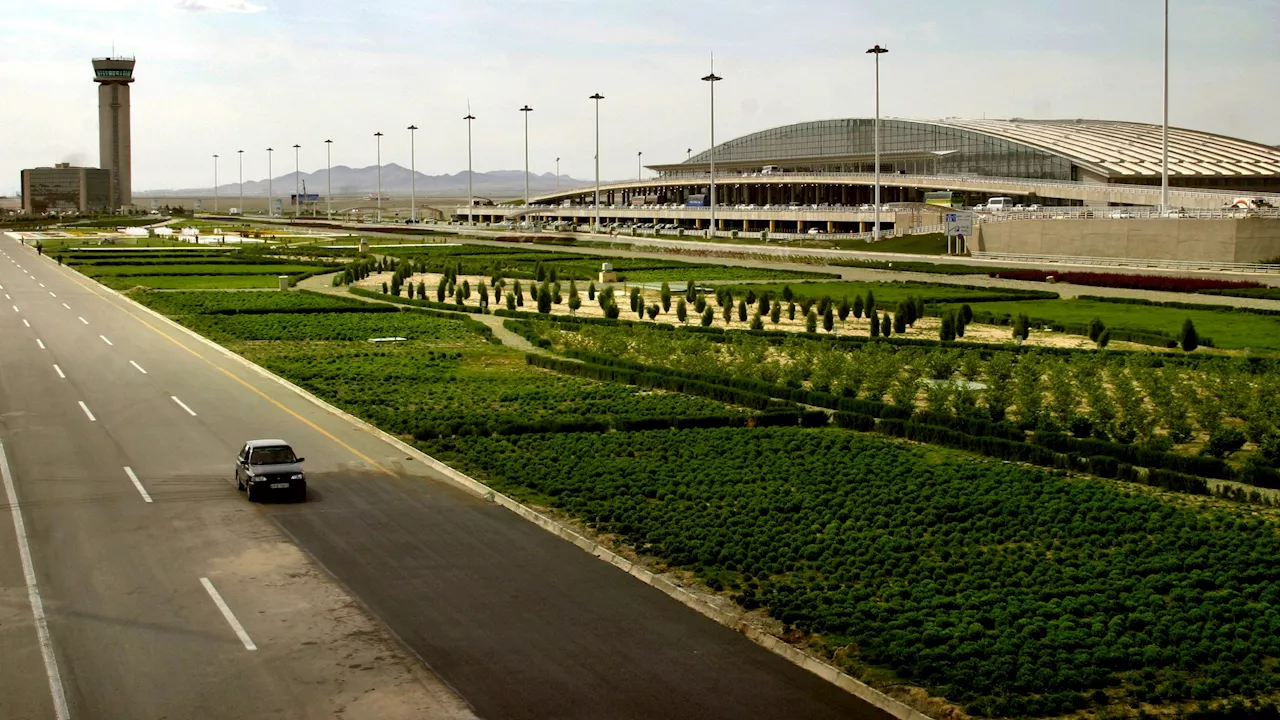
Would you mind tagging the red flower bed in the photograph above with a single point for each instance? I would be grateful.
(1131, 282)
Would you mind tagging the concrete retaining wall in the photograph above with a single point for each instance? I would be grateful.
(1220, 240)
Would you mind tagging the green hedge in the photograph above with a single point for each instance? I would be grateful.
(414, 302)
(1180, 305)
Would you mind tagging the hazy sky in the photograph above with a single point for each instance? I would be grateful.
(217, 76)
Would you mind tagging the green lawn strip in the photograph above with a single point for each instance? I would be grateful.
(353, 326)
(1267, 293)
(197, 268)
(1009, 590)
(930, 244)
(189, 282)
(415, 389)
(887, 294)
(210, 302)
(1228, 329)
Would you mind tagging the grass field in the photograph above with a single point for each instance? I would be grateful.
(1233, 330)
(931, 244)
(189, 282)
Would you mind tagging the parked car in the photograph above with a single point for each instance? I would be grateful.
(814, 231)
(266, 468)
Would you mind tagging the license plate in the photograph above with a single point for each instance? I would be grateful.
(279, 485)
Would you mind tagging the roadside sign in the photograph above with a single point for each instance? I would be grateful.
(959, 223)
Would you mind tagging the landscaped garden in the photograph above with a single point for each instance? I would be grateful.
(1020, 531)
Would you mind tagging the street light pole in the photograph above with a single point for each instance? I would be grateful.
(269, 201)
(557, 174)
(471, 203)
(713, 79)
(378, 137)
(328, 191)
(639, 174)
(297, 184)
(597, 97)
(526, 110)
(1164, 143)
(877, 51)
(215, 184)
(240, 154)
(413, 178)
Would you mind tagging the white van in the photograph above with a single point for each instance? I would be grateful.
(996, 204)
(771, 170)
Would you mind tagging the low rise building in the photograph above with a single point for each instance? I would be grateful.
(64, 188)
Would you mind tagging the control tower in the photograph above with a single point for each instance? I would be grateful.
(113, 75)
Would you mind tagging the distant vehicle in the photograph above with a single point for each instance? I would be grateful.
(980, 207)
(1033, 206)
(1247, 203)
(997, 204)
(814, 231)
(771, 170)
(1121, 215)
(696, 201)
(269, 467)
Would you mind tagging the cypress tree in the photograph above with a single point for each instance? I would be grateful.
(544, 298)
(458, 297)
(787, 294)
(422, 290)
(575, 302)
(1188, 339)
(857, 307)
(775, 313)
(756, 322)
(886, 326)
(539, 273)
(591, 291)
(824, 304)
(665, 295)
(635, 298)
(791, 310)
(1096, 327)
(653, 310)
(902, 311)
(466, 289)
(728, 314)
(828, 319)
(960, 323)
(751, 296)
(900, 322)
(844, 308)
(511, 301)
(699, 304)
(385, 291)
(875, 322)
(682, 311)
(639, 308)
(947, 331)
(871, 301)
(484, 294)
(519, 293)
(707, 317)
(1104, 338)
(742, 310)
(967, 313)
(762, 306)
(811, 322)
(690, 291)
(553, 275)
(919, 311)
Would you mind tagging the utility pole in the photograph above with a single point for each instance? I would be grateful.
(713, 79)
(471, 203)
(328, 192)
(597, 97)
(877, 51)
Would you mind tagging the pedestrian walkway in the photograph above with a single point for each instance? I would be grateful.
(324, 284)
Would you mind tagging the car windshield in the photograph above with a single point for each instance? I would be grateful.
(277, 455)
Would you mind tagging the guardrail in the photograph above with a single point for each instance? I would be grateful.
(1129, 262)
(1124, 213)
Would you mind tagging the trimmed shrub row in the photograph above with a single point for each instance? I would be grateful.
(415, 302)
(1133, 282)
(1180, 305)
(1192, 464)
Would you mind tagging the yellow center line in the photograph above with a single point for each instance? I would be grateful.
(240, 380)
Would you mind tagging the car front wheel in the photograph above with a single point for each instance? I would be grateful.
(252, 496)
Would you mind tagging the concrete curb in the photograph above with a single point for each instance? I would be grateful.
(818, 667)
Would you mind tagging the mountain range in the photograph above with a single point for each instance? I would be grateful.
(349, 182)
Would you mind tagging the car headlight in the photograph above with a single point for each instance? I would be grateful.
(297, 476)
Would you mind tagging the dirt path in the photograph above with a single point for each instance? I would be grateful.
(324, 284)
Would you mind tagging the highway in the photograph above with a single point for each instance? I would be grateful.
(390, 594)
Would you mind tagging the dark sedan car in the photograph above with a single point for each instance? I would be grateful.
(269, 468)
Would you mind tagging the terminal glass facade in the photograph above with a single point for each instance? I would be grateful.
(905, 146)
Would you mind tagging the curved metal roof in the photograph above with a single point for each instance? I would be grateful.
(1115, 149)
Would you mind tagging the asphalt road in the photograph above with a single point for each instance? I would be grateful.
(507, 620)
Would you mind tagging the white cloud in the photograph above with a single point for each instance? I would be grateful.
(231, 6)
